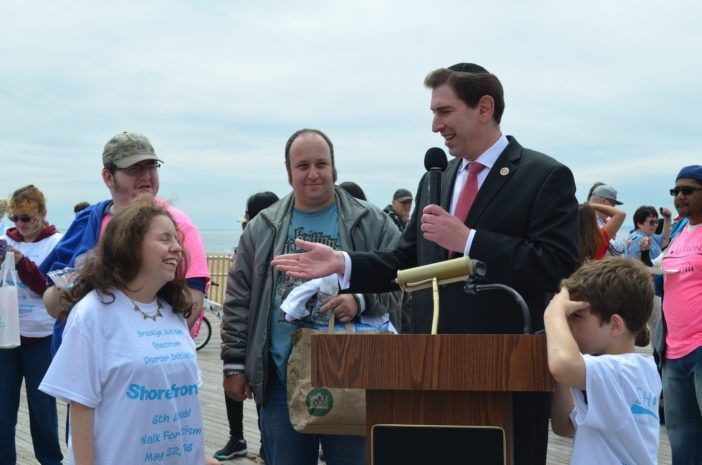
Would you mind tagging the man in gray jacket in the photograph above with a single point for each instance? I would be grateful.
(256, 333)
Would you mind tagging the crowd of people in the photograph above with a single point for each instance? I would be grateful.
(107, 308)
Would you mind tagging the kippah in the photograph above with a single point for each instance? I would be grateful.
(691, 172)
(468, 68)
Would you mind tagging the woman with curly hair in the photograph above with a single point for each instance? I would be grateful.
(127, 364)
(30, 240)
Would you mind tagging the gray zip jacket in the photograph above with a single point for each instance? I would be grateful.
(248, 303)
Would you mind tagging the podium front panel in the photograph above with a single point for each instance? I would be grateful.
(442, 408)
(444, 444)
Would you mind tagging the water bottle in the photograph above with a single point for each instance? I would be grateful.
(327, 290)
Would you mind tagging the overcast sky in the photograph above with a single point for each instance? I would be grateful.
(610, 88)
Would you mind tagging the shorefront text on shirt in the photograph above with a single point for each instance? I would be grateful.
(140, 392)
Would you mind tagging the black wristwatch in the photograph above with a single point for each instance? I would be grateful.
(232, 371)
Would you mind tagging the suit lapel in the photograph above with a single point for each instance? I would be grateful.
(447, 181)
(503, 169)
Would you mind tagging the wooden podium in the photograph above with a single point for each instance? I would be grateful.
(444, 379)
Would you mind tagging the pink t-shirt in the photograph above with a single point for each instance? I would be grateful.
(192, 241)
(682, 304)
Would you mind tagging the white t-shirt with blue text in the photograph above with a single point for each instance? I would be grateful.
(140, 376)
(616, 422)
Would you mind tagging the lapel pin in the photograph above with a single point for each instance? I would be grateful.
(504, 171)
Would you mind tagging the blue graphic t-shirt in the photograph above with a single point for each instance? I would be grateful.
(322, 227)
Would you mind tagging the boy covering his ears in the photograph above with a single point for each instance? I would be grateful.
(607, 393)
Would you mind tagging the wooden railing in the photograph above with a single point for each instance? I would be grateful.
(219, 265)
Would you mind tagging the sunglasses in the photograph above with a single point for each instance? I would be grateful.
(685, 190)
(23, 218)
(653, 222)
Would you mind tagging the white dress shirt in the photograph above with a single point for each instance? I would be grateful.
(487, 159)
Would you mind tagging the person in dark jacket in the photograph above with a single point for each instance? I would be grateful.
(256, 332)
(512, 208)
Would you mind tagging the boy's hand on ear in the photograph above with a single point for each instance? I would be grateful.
(565, 362)
(562, 302)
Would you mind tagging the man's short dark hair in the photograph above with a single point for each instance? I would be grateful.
(353, 189)
(80, 206)
(615, 285)
(470, 87)
(642, 213)
(258, 202)
(299, 133)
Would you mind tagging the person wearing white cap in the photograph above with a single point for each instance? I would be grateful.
(603, 194)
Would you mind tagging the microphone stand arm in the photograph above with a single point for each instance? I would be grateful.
(473, 288)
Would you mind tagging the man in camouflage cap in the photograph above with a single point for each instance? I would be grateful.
(126, 149)
(130, 169)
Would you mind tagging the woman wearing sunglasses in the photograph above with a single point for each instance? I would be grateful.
(644, 237)
(31, 239)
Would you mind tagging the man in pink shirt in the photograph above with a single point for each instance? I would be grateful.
(130, 169)
(682, 310)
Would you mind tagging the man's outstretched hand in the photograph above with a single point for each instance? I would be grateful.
(318, 261)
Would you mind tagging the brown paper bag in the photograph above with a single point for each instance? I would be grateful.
(319, 410)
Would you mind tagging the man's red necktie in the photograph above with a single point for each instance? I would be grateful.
(469, 191)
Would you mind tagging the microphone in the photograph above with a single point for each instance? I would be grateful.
(435, 163)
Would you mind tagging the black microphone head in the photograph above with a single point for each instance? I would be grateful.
(435, 159)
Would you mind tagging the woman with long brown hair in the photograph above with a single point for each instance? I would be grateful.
(594, 240)
(127, 364)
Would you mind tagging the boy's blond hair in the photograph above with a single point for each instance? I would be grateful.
(615, 285)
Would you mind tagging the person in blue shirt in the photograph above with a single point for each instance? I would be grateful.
(644, 237)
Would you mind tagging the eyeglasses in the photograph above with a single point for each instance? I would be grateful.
(136, 170)
(685, 190)
(653, 222)
(23, 218)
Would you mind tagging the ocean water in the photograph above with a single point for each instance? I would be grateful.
(225, 240)
(220, 240)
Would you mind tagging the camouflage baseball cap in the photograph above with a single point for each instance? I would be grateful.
(126, 149)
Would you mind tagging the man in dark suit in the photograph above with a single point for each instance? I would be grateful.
(521, 222)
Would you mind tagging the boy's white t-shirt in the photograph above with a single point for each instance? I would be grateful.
(618, 421)
(140, 376)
